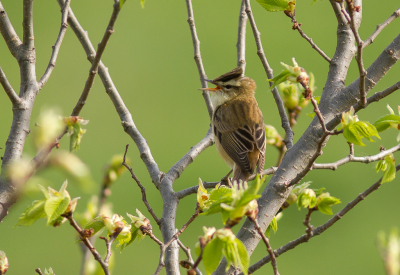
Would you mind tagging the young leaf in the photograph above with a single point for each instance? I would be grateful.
(32, 214)
(352, 135)
(244, 259)
(274, 5)
(324, 203)
(384, 122)
(55, 207)
(96, 224)
(212, 254)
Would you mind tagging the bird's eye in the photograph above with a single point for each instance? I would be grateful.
(228, 86)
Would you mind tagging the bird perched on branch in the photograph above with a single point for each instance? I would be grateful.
(237, 123)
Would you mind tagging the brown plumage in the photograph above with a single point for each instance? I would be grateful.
(238, 124)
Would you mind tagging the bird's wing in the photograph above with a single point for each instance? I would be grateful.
(239, 135)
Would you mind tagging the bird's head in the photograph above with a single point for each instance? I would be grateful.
(229, 86)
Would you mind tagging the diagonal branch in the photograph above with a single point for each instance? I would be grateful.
(269, 72)
(96, 61)
(296, 26)
(380, 27)
(123, 112)
(57, 45)
(241, 41)
(320, 229)
(12, 95)
(142, 189)
(9, 34)
(197, 57)
(178, 168)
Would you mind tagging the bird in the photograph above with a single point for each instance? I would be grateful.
(237, 123)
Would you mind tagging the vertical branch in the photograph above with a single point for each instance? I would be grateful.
(269, 72)
(197, 57)
(27, 25)
(241, 41)
(57, 45)
(361, 70)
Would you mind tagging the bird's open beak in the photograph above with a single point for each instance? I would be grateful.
(210, 89)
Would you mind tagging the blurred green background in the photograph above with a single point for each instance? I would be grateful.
(150, 59)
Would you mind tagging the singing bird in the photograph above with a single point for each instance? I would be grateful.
(237, 123)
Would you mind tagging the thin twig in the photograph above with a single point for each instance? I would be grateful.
(197, 57)
(266, 242)
(269, 72)
(109, 243)
(380, 27)
(198, 260)
(38, 271)
(176, 235)
(378, 96)
(12, 95)
(359, 59)
(88, 244)
(352, 158)
(307, 223)
(241, 41)
(57, 45)
(320, 229)
(189, 255)
(296, 26)
(96, 61)
(142, 188)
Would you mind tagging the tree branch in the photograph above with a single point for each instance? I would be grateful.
(241, 41)
(197, 57)
(86, 241)
(380, 27)
(320, 229)
(57, 45)
(178, 168)
(142, 189)
(296, 26)
(123, 112)
(189, 255)
(352, 158)
(269, 72)
(9, 34)
(12, 95)
(360, 63)
(96, 61)
(266, 242)
(27, 25)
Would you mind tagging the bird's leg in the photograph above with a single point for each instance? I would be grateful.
(224, 180)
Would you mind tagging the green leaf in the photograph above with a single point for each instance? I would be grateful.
(279, 78)
(324, 206)
(351, 134)
(55, 207)
(121, 3)
(383, 123)
(367, 130)
(390, 172)
(274, 5)
(32, 214)
(212, 254)
(134, 234)
(142, 3)
(244, 259)
(274, 224)
(219, 193)
(96, 224)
